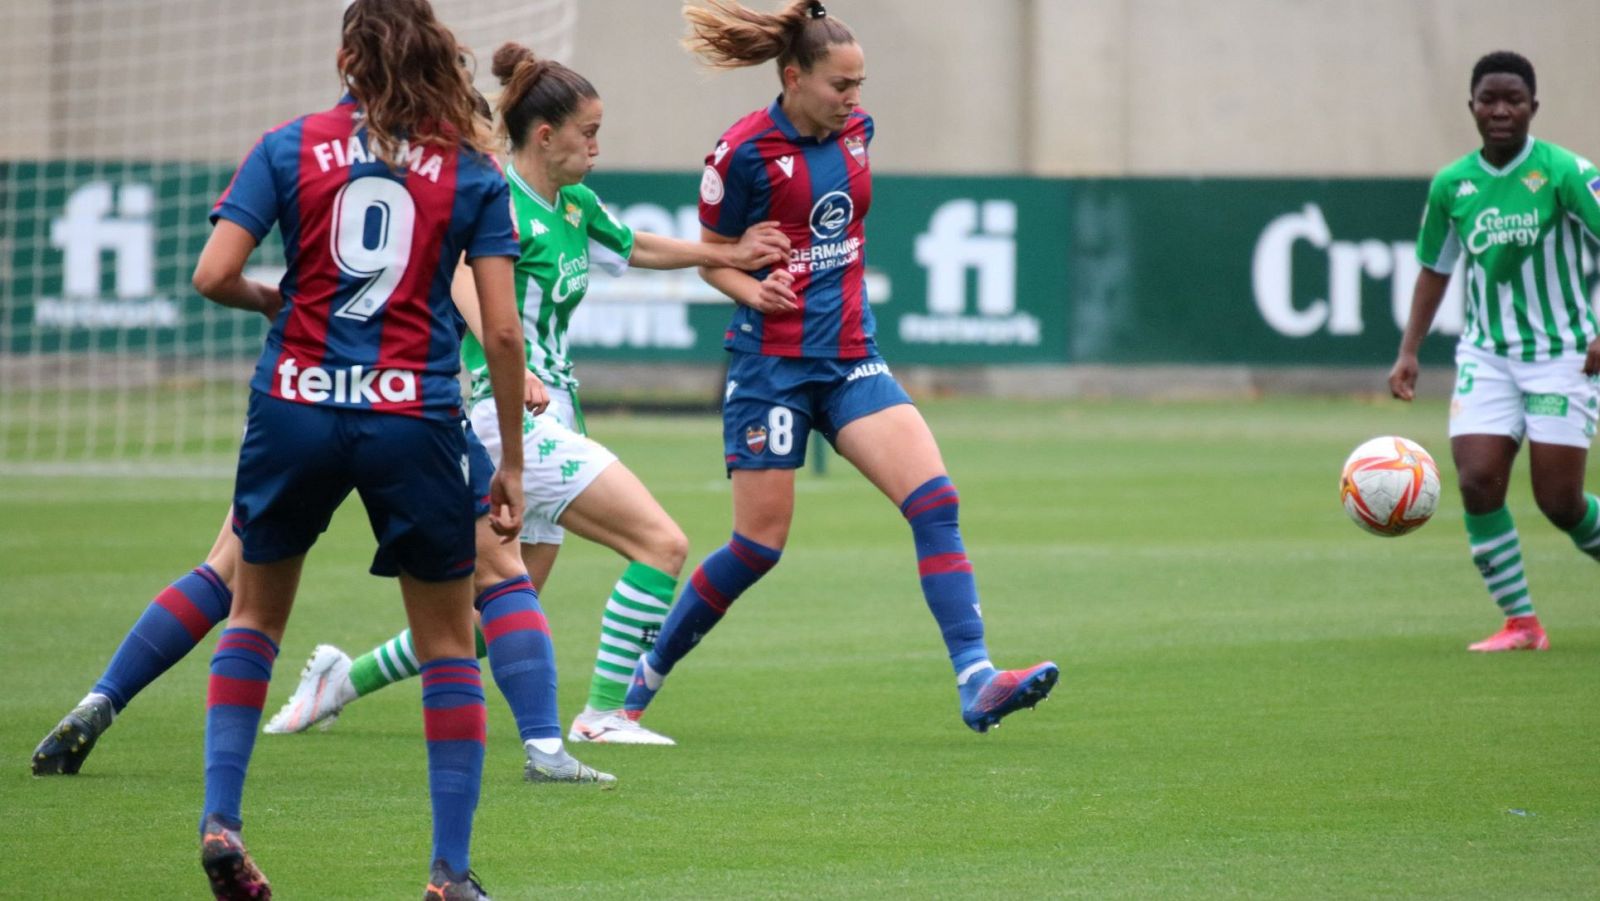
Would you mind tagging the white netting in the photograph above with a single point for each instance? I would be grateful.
(124, 120)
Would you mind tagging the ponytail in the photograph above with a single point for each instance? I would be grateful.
(727, 35)
(535, 90)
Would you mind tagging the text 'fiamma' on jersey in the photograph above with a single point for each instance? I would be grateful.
(344, 385)
(425, 161)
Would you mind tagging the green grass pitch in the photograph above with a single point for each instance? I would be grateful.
(1257, 698)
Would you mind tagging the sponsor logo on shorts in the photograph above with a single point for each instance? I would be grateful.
(569, 469)
(755, 437)
(1544, 404)
(345, 385)
(546, 447)
(866, 370)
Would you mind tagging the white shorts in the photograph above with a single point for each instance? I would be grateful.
(1551, 402)
(558, 463)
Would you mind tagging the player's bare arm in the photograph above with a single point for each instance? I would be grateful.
(769, 295)
(1425, 300)
(763, 244)
(219, 275)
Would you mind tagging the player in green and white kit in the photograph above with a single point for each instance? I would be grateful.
(552, 116)
(1528, 363)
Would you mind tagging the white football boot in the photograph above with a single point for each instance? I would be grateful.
(614, 728)
(323, 691)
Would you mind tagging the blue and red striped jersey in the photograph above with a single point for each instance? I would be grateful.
(819, 191)
(367, 320)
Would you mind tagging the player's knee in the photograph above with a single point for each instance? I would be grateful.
(496, 564)
(1564, 509)
(1482, 490)
(667, 547)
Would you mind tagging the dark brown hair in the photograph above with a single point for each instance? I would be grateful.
(404, 68)
(726, 35)
(535, 90)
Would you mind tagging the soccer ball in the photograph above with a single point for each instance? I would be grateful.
(1390, 486)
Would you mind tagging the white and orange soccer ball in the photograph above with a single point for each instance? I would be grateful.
(1390, 486)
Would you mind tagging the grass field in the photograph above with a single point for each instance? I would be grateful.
(1257, 698)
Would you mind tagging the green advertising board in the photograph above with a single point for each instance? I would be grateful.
(1247, 271)
(961, 270)
(99, 256)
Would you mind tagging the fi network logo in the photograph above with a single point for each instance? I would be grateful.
(96, 221)
(970, 248)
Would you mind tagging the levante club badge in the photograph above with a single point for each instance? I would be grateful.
(756, 437)
(858, 149)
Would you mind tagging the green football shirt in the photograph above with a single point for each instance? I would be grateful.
(552, 275)
(1521, 229)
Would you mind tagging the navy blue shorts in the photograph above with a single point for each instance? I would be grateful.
(772, 404)
(480, 469)
(299, 462)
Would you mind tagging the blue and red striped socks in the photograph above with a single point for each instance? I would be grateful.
(717, 583)
(947, 582)
(521, 656)
(176, 620)
(453, 719)
(240, 671)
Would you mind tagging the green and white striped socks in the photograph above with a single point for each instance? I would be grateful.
(1586, 534)
(391, 662)
(1498, 554)
(628, 629)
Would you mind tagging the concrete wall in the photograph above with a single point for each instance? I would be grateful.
(1050, 87)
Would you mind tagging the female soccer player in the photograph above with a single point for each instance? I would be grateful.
(803, 351)
(1528, 362)
(552, 117)
(356, 389)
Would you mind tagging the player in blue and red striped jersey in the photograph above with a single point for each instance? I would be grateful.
(376, 199)
(803, 354)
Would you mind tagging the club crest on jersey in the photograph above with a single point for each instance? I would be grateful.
(755, 437)
(831, 215)
(1466, 189)
(858, 149)
(786, 163)
(710, 186)
(1535, 180)
(574, 215)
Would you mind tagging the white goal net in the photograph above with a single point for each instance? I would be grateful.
(124, 121)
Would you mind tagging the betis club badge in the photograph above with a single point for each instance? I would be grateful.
(756, 438)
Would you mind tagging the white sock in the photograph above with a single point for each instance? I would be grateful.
(652, 679)
(973, 670)
(544, 746)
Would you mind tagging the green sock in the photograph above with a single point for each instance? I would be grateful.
(628, 629)
(1586, 534)
(391, 662)
(1498, 554)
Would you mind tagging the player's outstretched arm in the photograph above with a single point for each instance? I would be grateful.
(219, 275)
(767, 296)
(763, 244)
(1425, 300)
